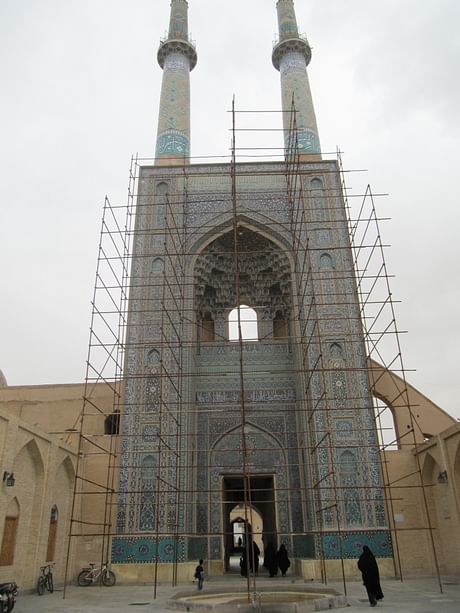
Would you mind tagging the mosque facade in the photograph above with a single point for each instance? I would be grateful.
(264, 432)
(283, 423)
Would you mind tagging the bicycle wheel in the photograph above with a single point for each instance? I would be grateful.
(41, 586)
(49, 582)
(108, 578)
(84, 579)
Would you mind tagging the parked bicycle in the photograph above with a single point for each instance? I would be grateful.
(45, 580)
(8, 593)
(88, 576)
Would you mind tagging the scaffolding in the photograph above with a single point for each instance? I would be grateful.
(143, 291)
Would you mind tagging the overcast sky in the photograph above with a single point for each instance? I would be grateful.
(79, 94)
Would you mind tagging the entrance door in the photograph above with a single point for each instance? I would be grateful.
(248, 514)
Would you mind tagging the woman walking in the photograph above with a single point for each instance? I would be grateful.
(283, 560)
(367, 564)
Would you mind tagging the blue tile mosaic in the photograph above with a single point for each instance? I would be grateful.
(143, 550)
(350, 544)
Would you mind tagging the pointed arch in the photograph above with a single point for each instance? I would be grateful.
(242, 511)
(161, 196)
(153, 357)
(32, 451)
(13, 508)
(148, 484)
(430, 469)
(250, 428)
(386, 424)
(158, 265)
(67, 466)
(349, 476)
(258, 223)
(264, 287)
(56, 516)
(336, 351)
(261, 449)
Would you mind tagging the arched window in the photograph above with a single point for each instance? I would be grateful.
(248, 322)
(52, 534)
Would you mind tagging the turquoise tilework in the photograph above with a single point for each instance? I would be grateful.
(307, 142)
(172, 143)
(143, 550)
(350, 545)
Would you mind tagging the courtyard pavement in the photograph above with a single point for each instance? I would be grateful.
(410, 596)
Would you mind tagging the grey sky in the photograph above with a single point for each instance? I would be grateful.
(80, 90)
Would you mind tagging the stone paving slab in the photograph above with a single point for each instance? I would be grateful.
(411, 596)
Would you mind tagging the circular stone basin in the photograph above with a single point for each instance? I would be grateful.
(292, 601)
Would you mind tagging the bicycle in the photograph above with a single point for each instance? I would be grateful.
(88, 576)
(45, 580)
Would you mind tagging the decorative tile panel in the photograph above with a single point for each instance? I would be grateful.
(145, 550)
(350, 544)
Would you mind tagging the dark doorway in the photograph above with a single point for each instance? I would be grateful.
(249, 508)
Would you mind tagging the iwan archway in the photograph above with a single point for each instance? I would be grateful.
(248, 502)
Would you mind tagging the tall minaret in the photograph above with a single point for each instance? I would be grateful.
(177, 57)
(291, 57)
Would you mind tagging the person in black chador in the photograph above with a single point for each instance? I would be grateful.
(270, 559)
(254, 553)
(244, 563)
(283, 560)
(367, 564)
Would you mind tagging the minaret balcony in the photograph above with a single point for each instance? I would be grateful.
(298, 45)
(184, 47)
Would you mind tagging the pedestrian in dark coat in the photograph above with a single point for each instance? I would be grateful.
(199, 574)
(254, 553)
(367, 564)
(244, 563)
(271, 560)
(283, 560)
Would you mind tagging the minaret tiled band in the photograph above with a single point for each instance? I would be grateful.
(177, 57)
(291, 57)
